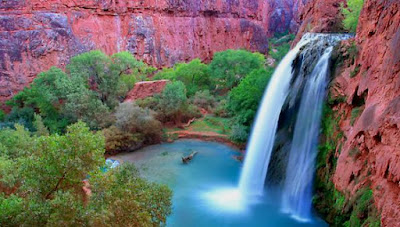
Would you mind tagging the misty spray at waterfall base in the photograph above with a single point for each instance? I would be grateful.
(291, 109)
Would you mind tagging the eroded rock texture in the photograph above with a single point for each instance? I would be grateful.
(369, 154)
(146, 89)
(37, 34)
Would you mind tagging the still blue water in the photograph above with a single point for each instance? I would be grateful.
(212, 169)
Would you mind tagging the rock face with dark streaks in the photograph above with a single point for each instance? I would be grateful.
(37, 34)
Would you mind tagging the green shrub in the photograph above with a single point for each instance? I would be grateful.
(279, 52)
(2, 115)
(221, 109)
(204, 99)
(351, 14)
(244, 99)
(173, 102)
(118, 140)
(195, 75)
(355, 113)
(229, 67)
(136, 120)
(355, 71)
(41, 129)
(89, 91)
(239, 133)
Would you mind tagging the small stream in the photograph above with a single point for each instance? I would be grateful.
(196, 201)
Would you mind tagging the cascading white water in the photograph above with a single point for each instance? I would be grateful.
(258, 152)
(309, 81)
(297, 191)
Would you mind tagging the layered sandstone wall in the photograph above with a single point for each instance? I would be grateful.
(37, 34)
(369, 153)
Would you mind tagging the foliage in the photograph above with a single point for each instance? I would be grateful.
(195, 75)
(129, 199)
(229, 67)
(244, 99)
(173, 101)
(279, 52)
(355, 113)
(89, 91)
(337, 208)
(84, 105)
(280, 45)
(134, 127)
(2, 115)
(351, 14)
(41, 129)
(355, 71)
(240, 133)
(204, 99)
(221, 109)
(118, 140)
(41, 178)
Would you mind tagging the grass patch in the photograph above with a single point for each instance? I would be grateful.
(355, 113)
(211, 124)
(355, 71)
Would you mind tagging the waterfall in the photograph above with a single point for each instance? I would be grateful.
(301, 76)
(263, 134)
(297, 191)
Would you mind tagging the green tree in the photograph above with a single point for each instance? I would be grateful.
(41, 129)
(351, 14)
(44, 96)
(134, 127)
(244, 99)
(230, 66)
(174, 102)
(41, 179)
(95, 67)
(83, 105)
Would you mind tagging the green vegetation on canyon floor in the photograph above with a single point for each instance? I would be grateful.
(56, 132)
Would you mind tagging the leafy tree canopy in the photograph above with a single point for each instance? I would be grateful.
(42, 178)
(230, 66)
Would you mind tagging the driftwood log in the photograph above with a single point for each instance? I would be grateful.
(189, 158)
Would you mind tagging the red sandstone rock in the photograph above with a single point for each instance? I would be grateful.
(319, 16)
(376, 132)
(145, 89)
(37, 34)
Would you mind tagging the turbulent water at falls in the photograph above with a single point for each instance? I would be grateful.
(302, 73)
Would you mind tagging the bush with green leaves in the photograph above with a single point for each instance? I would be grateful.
(351, 14)
(195, 75)
(89, 90)
(42, 178)
(134, 127)
(173, 102)
(229, 67)
(204, 99)
(244, 99)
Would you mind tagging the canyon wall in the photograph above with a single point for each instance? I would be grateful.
(37, 34)
(367, 88)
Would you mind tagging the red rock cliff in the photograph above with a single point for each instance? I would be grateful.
(37, 34)
(370, 151)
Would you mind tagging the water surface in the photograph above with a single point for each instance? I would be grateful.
(204, 192)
